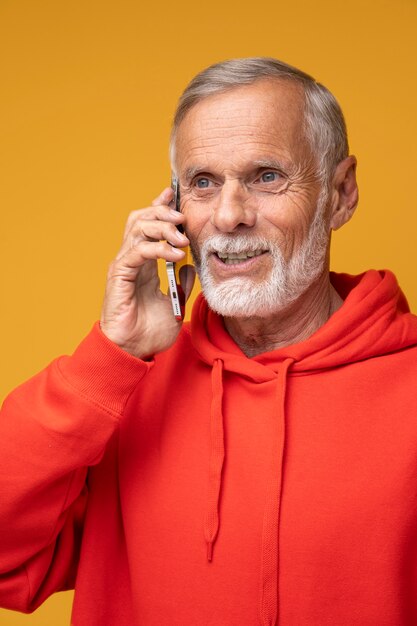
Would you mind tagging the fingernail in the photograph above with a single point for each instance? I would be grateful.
(177, 251)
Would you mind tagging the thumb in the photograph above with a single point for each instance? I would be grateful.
(187, 279)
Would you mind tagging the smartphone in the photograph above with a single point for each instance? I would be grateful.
(177, 272)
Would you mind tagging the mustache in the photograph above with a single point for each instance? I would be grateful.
(234, 244)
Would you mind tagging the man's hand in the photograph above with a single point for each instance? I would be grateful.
(136, 315)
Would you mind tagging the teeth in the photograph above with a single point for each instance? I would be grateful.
(242, 256)
(233, 261)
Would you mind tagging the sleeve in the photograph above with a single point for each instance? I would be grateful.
(52, 428)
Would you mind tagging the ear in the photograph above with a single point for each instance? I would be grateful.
(344, 193)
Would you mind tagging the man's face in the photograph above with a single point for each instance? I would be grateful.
(250, 196)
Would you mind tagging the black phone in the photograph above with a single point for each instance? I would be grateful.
(178, 271)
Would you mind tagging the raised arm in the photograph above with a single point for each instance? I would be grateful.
(58, 424)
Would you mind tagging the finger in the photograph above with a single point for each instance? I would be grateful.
(164, 197)
(160, 212)
(152, 231)
(155, 230)
(149, 251)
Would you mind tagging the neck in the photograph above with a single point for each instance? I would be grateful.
(295, 323)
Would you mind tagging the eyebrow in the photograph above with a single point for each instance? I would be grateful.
(190, 172)
(266, 162)
(269, 163)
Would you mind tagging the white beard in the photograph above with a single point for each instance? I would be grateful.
(286, 282)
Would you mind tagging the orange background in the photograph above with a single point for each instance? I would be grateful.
(88, 90)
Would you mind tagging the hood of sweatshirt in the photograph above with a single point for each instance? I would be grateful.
(373, 320)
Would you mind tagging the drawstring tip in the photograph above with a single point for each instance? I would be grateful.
(210, 551)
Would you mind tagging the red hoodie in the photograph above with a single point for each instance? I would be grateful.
(206, 488)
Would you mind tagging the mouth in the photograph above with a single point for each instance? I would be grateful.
(232, 258)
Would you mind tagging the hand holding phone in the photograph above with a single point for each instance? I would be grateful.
(181, 273)
(136, 315)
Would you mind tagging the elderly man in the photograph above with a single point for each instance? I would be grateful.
(258, 465)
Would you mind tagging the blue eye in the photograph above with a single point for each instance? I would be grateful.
(269, 177)
(202, 183)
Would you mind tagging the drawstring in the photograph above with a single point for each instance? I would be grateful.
(268, 603)
(211, 522)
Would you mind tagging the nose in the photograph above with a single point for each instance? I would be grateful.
(232, 208)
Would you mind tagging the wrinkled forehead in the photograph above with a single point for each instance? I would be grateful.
(265, 112)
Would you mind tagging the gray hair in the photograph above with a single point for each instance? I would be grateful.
(324, 124)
